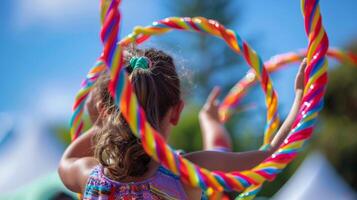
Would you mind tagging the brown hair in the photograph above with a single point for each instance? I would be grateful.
(101, 93)
(157, 89)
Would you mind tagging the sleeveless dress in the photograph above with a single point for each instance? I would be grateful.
(164, 185)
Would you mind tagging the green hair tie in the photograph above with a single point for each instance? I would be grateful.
(139, 62)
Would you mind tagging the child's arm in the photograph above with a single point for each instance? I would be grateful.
(286, 127)
(227, 162)
(77, 162)
(214, 134)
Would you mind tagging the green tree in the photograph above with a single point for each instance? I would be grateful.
(212, 58)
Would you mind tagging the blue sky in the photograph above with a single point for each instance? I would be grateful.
(46, 47)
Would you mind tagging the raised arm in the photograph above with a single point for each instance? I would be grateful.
(77, 162)
(225, 161)
(286, 126)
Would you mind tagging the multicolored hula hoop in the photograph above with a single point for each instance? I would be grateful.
(232, 100)
(249, 181)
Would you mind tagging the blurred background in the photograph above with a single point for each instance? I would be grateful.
(47, 47)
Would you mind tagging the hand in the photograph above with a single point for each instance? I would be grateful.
(300, 76)
(92, 109)
(210, 109)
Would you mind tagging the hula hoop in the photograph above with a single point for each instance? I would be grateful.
(236, 94)
(154, 144)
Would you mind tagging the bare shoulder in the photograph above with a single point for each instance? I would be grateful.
(75, 173)
(87, 165)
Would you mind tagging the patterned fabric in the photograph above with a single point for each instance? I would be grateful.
(162, 186)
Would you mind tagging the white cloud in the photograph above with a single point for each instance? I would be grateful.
(52, 102)
(54, 12)
(56, 103)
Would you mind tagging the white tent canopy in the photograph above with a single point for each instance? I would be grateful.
(315, 179)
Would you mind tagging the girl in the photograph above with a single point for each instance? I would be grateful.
(120, 168)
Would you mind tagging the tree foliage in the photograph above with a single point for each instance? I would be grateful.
(212, 57)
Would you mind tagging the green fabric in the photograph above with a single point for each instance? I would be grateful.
(44, 188)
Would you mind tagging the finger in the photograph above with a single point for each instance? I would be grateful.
(303, 65)
(212, 98)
